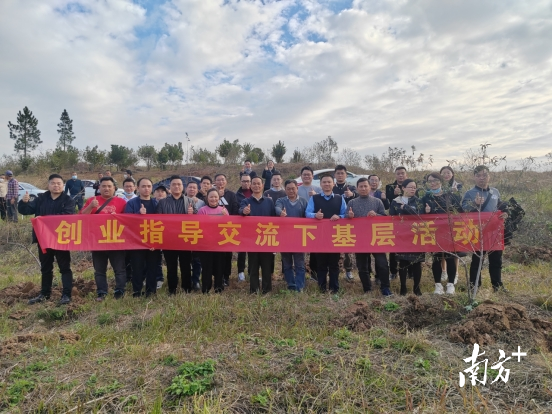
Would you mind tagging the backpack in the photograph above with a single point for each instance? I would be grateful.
(511, 224)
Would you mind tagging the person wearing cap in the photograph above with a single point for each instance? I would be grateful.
(3, 192)
(75, 188)
(12, 195)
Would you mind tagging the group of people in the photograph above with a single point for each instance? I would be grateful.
(334, 199)
(9, 194)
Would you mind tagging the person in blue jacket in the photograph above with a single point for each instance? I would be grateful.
(75, 188)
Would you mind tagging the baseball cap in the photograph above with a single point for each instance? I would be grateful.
(9, 172)
(161, 187)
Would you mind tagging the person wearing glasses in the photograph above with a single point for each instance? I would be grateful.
(438, 201)
(408, 204)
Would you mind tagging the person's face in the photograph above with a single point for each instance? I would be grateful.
(409, 190)
(447, 174)
(129, 187)
(74, 174)
(145, 188)
(327, 184)
(176, 187)
(256, 186)
(270, 164)
(100, 176)
(55, 185)
(191, 190)
(340, 176)
(374, 183)
(482, 179)
(220, 182)
(276, 181)
(291, 191)
(108, 173)
(363, 188)
(213, 199)
(206, 185)
(160, 194)
(306, 177)
(107, 189)
(400, 175)
(247, 165)
(434, 183)
(245, 182)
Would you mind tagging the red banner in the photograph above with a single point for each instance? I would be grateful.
(427, 233)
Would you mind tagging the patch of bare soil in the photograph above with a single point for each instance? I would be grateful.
(490, 322)
(431, 311)
(20, 343)
(358, 317)
(23, 291)
(528, 254)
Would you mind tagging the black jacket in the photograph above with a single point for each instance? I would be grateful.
(414, 207)
(44, 205)
(170, 205)
(230, 202)
(446, 202)
(339, 189)
(267, 175)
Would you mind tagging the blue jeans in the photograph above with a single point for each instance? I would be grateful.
(294, 281)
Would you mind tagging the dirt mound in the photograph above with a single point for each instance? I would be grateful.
(422, 314)
(18, 315)
(489, 320)
(528, 254)
(26, 290)
(358, 317)
(20, 343)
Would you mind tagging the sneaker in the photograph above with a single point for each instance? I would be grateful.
(392, 276)
(159, 284)
(500, 289)
(241, 277)
(438, 289)
(444, 277)
(39, 299)
(226, 283)
(417, 291)
(65, 300)
(386, 292)
(456, 278)
(118, 294)
(403, 290)
(197, 287)
(349, 276)
(450, 288)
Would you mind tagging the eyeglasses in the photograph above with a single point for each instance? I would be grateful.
(433, 181)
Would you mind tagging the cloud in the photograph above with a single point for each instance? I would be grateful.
(443, 76)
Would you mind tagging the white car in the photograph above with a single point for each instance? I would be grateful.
(88, 189)
(33, 191)
(351, 177)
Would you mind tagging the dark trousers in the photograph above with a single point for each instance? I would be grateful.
(144, 267)
(495, 268)
(12, 210)
(438, 270)
(117, 260)
(328, 263)
(364, 265)
(3, 208)
(241, 262)
(196, 267)
(227, 266)
(128, 267)
(63, 259)
(407, 267)
(264, 261)
(173, 257)
(159, 268)
(393, 264)
(78, 201)
(211, 266)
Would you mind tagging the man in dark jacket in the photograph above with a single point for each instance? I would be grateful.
(75, 188)
(52, 202)
(392, 191)
(257, 205)
(243, 192)
(96, 185)
(229, 200)
(327, 205)
(143, 262)
(246, 169)
(177, 203)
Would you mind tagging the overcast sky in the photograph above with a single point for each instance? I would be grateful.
(443, 75)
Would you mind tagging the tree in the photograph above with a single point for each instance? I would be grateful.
(94, 157)
(322, 151)
(350, 158)
(230, 151)
(65, 131)
(297, 156)
(122, 156)
(162, 158)
(25, 133)
(147, 153)
(278, 151)
(175, 153)
(204, 156)
(257, 155)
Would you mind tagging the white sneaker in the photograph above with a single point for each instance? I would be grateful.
(241, 277)
(349, 276)
(159, 284)
(450, 288)
(456, 279)
(438, 289)
(444, 277)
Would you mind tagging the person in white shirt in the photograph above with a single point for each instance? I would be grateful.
(129, 188)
